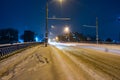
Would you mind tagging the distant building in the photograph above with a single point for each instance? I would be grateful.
(78, 36)
(29, 36)
(8, 36)
(72, 36)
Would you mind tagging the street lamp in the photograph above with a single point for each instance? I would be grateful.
(52, 26)
(60, 1)
(51, 32)
(46, 28)
(66, 30)
(56, 38)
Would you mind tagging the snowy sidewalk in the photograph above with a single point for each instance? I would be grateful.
(9, 63)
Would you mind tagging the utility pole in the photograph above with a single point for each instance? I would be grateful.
(97, 37)
(46, 28)
(97, 30)
(119, 37)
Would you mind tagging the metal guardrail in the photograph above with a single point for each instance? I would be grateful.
(6, 50)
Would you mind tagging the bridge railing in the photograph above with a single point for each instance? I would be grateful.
(6, 50)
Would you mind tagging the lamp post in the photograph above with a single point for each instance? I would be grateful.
(56, 38)
(97, 30)
(46, 28)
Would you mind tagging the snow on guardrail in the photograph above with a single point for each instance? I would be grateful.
(7, 49)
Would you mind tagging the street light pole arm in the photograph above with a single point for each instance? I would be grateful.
(66, 19)
(89, 26)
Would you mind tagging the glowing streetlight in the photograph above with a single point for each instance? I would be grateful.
(61, 1)
(52, 26)
(66, 29)
(56, 38)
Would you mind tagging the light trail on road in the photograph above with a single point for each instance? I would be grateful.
(100, 47)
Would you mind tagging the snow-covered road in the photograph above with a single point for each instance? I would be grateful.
(60, 62)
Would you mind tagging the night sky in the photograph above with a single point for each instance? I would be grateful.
(30, 15)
